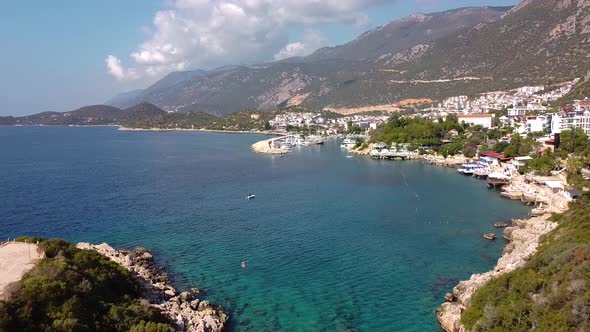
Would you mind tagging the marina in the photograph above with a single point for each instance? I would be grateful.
(284, 144)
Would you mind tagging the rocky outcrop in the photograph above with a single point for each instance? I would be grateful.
(186, 311)
(524, 238)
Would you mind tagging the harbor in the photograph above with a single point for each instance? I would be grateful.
(284, 144)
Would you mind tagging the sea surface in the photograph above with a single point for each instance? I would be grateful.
(331, 243)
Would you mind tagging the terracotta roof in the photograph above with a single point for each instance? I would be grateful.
(494, 155)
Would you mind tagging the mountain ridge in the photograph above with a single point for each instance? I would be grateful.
(88, 115)
(321, 79)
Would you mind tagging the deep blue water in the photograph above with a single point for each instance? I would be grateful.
(331, 243)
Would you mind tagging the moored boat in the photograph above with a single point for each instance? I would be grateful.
(489, 236)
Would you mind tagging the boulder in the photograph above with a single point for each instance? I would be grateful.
(450, 297)
(186, 296)
(203, 305)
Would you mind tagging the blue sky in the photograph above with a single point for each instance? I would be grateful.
(55, 52)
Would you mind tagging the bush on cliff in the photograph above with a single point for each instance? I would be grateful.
(551, 292)
(77, 290)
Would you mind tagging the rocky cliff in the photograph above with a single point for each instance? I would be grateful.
(184, 308)
(524, 238)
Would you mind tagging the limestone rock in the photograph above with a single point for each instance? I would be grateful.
(524, 239)
(186, 312)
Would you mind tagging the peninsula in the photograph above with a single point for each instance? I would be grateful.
(95, 287)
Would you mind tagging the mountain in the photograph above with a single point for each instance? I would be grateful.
(124, 98)
(538, 42)
(88, 115)
(400, 35)
(457, 52)
(338, 76)
(155, 91)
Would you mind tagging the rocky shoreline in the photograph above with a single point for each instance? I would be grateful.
(184, 309)
(523, 237)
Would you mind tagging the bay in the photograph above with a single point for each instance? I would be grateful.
(331, 243)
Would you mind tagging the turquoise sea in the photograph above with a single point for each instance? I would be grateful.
(331, 243)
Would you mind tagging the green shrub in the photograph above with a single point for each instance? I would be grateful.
(77, 290)
(550, 293)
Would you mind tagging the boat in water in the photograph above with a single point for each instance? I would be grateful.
(314, 140)
(250, 196)
(347, 143)
(489, 236)
(474, 168)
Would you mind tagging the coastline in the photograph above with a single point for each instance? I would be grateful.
(184, 309)
(524, 238)
(123, 128)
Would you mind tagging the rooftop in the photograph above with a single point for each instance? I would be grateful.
(474, 116)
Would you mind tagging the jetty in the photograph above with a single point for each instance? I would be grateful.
(273, 146)
(501, 224)
(396, 151)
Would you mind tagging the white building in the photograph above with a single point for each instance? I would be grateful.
(536, 124)
(517, 111)
(566, 121)
(484, 120)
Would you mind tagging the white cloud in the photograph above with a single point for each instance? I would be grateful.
(211, 33)
(116, 69)
(312, 40)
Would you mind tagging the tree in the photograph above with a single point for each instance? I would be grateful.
(500, 146)
(469, 152)
(573, 141)
(543, 165)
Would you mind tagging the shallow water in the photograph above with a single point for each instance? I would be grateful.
(331, 243)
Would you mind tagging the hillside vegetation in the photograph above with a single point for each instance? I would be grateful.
(550, 293)
(93, 115)
(77, 290)
(463, 51)
(343, 76)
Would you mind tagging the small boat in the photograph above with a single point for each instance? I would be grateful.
(250, 196)
(501, 224)
(314, 140)
(244, 265)
(489, 236)
(347, 143)
(349, 156)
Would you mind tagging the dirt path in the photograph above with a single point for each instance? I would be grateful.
(15, 260)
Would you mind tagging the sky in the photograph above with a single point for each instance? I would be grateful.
(61, 55)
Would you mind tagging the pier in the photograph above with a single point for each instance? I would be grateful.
(388, 155)
(282, 145)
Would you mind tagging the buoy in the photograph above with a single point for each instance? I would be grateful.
(243, 265)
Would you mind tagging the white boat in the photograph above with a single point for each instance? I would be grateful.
(470, 168)
(314, 140)
(250, 196)
(299, 142)
(347, 143)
